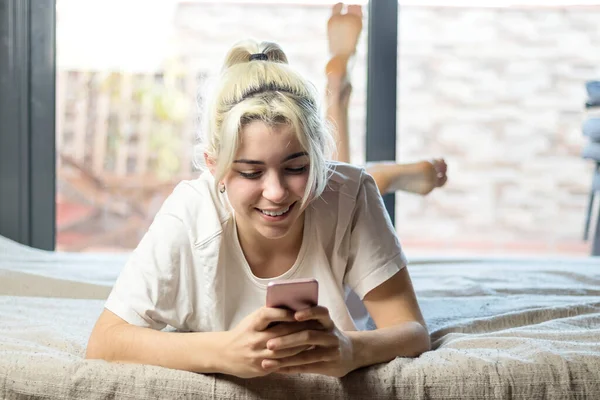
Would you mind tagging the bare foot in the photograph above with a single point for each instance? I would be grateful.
(343, 31)
(420, 178)
(440, 169)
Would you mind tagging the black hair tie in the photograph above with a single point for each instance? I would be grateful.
(258, 56)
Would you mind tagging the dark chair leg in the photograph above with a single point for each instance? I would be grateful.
(596, 243)
(586, 230)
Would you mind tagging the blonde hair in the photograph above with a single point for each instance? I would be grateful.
(274, 93)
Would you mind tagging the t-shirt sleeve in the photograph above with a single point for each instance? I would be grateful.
(375, 252)
(148, 290)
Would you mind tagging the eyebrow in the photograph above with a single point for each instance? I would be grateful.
(255, 162)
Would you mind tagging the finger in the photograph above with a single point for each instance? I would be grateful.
(337, 9)
(306, 357)
(267, 315)
(304, 338)
(277, 354)
(318, 313)
(287, 328)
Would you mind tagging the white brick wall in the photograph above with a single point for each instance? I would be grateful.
(505, 90)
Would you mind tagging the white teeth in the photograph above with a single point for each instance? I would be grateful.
(275, 214)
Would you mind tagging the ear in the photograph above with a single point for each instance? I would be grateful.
(211, 163)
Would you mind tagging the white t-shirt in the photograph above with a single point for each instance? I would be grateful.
(189, 271)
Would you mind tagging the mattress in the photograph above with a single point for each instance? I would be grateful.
(509, 327)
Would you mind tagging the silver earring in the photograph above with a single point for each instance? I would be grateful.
(222, 188)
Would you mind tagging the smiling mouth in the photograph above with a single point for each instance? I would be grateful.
(278, 213)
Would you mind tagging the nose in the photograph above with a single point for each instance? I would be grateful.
(275, 188)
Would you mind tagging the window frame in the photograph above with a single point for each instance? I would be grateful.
(27, 114)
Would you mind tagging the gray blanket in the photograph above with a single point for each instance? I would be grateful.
(501, 328)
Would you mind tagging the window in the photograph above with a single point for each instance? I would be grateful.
(128, 74)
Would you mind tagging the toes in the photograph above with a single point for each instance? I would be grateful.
(441, 181)
(440, 165)
(355, 9)
(337, 9)
(441, 168)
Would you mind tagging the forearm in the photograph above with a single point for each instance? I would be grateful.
(408, 339)
(133, 344)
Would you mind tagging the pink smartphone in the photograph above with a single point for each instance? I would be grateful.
(293, 294)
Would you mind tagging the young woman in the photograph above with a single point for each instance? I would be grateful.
(343, 31)
(269, 207)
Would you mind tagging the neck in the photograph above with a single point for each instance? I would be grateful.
(261, 253)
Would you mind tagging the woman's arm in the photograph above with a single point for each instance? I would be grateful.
(239, 352)
(401, 330)
(113, 339)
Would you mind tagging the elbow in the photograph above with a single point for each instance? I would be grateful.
(421, 340)
(424, 343)
(95, 350)
(98, 346)
(92, 354)
(424, 340)
(104, 336)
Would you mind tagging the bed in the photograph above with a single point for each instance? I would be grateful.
(520, 328)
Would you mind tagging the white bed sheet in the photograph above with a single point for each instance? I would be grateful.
(501, 328)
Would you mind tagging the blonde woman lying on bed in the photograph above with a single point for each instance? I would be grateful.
(269, 207)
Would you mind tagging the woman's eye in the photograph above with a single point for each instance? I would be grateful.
(299, 170)
(250, 175)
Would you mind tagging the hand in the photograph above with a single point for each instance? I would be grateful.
(245, 346)
(328, 350)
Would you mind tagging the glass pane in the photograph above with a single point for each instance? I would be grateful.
(500, 93)
(128, 74)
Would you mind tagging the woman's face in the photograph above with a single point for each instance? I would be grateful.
(267, 180)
